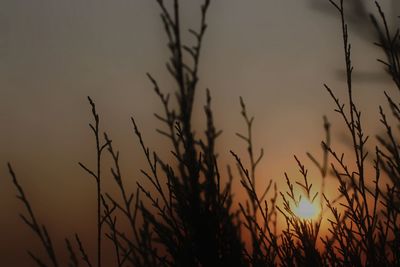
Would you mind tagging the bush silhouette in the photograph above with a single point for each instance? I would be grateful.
(188, 216)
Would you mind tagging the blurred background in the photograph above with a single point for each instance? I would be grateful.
(275, 54)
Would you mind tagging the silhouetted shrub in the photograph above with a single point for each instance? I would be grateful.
(191, 219)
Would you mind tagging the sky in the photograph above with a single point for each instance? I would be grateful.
(53, 54)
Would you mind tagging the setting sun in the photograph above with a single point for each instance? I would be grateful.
(306, 210)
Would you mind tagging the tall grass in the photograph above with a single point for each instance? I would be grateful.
(188, 216)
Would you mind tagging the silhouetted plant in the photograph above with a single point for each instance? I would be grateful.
(97, 175)
(194, 221)
(357, 228)
(31, 221)
(187, 217)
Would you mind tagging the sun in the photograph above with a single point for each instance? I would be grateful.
(306, 210)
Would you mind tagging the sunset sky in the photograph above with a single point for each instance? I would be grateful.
(275, 54)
